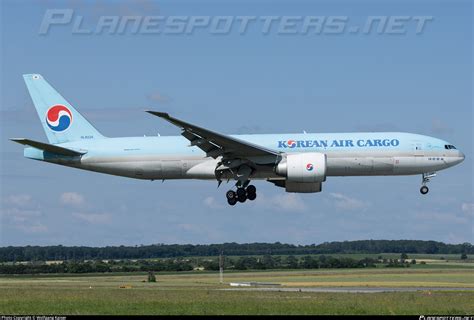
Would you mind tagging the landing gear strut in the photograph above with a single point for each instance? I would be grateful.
(425, 179)
(241, 195)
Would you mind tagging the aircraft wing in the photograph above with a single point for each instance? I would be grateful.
(216, 144)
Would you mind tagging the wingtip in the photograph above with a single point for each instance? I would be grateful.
(158, 114)
(18, 140)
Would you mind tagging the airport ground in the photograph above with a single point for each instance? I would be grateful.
(438, 287)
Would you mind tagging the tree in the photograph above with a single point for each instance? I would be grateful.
(268, 262)
(308, 262)
(403, 257)
(463, 256)
(151, 276)
(292, 262)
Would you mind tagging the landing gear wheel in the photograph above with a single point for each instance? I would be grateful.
(251, 196)
(251, 192)
(424, 190)
(251, 189)
(232, 201)
(230, 195)
(242, 198)
(241, 193)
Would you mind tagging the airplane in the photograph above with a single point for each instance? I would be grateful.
(298, 162)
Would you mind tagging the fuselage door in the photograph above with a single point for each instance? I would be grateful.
(418, 149)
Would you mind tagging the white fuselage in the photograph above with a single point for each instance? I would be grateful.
(348, 154)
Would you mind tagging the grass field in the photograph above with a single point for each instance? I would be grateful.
(199, 293)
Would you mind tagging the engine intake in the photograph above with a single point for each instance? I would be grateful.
(303, 167)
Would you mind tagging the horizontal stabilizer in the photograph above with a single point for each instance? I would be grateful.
(48, 147)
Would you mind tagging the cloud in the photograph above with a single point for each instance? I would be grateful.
(113, 114)
(439, 127)
(33, 228)
(377, 127)
(249, 129)
(443, 218)
(202, 231)
(77, 200)
(72, 198)
(20, 212)
(158, 97)
(18, 199)
(453, 237)
(212, 203)
(20, 207)
(17, 114)
(93, 218)
(343, 202)
(24, 220)
(189, 227)
(468, 208)
(291, 202)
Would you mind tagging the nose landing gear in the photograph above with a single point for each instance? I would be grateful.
(425, 179)
(424, 190)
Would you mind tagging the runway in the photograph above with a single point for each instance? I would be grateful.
(353, 289)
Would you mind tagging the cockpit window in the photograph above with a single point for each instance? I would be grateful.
(449, 146)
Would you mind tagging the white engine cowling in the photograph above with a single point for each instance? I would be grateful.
(303, 167)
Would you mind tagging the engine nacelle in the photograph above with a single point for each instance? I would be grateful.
(303, 167)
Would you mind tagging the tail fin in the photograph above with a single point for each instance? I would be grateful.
(61, 122)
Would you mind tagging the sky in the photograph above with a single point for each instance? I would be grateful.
(257, 81)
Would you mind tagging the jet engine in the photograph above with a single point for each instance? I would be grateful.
(307, 167)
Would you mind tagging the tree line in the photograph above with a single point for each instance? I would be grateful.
(266, 262)
(46, 253)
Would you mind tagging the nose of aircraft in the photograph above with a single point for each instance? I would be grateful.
(460, 158)
(455, 158)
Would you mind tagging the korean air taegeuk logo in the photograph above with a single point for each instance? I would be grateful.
(58, 118)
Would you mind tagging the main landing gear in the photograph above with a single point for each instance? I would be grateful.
(425, 179)
(241, 195)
